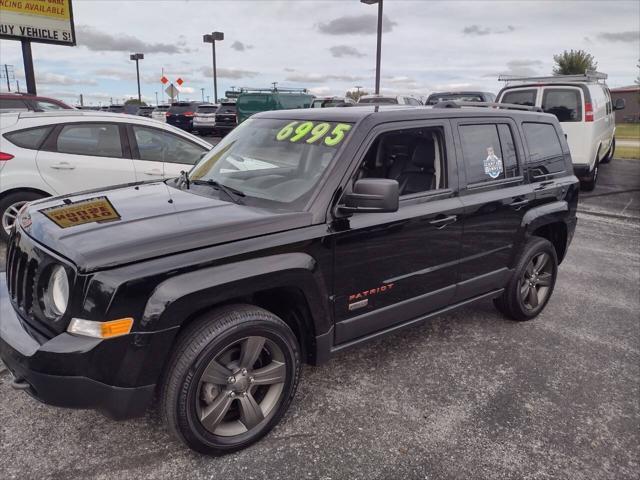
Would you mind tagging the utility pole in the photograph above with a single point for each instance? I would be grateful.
(27, 58)
(137, 57)
(81, 101)
(18, 85)
(156, 99)
(379, 45)
(211, 38)
(202, 90)
(6, 72)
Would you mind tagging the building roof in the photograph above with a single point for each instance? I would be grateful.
(628, 88)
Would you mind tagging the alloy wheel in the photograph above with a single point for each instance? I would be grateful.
(536, 281)
(10, 214)
(241, 386)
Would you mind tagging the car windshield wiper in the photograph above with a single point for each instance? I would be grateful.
(231, 192)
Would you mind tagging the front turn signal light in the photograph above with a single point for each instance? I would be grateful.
(110, 329)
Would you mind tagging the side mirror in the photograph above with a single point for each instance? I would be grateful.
(620, 104)
(372, 195)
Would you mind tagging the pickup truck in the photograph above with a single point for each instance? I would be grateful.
(302, 233)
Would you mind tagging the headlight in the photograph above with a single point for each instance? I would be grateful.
(56, 295)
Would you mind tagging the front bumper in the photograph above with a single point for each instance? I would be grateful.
(81, 372)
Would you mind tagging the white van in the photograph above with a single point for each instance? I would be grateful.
(583, 106)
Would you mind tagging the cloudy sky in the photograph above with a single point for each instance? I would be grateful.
(327, 46)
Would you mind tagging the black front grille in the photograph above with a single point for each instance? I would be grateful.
(26, 263)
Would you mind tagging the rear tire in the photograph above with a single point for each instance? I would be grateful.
(588, 184)
(230, 379)
(609, 156)
(532, 282)
(9, 207)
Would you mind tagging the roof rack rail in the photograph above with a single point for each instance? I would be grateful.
(587, 76)
(507, 106)
(271, 90)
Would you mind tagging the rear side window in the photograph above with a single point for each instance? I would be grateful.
(564, 103)
(520, 97)
(96, 140)
(545, 151)
(31, 138)
(484, 156)
(159, 146)
(12, 104)
(48, 106)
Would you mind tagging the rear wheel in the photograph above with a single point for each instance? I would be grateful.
(588, 184)
(532, 282)
(231, 378)
(612, 150)
(10, 205)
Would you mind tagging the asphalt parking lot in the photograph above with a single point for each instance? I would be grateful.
(468, 395)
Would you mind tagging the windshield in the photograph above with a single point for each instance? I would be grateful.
(275, 163)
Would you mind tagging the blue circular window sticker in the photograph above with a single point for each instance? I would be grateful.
(492, 164)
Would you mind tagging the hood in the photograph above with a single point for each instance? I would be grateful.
(148, 220)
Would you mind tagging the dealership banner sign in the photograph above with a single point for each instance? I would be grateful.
(46, 21)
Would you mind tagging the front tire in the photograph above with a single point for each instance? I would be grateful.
(230, 380)
(532, 282)
(10, 205)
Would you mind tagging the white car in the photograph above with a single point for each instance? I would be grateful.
(204, 120)
(160, 113)
(44, 154)
(389, 100)
(584, 108)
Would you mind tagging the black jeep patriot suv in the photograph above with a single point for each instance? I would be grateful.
(300, 234)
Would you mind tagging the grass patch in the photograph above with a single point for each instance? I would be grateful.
(628, 153)
(628, 131)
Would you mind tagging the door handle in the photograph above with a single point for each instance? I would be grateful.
(518, 203)
(63, 166)
(544, 185)
(155, 172)
(442, 221)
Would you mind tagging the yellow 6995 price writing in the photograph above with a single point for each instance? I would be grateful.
(314, 132)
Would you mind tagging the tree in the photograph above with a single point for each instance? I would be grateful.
(134, 101)
(356, 95)
(573, 62)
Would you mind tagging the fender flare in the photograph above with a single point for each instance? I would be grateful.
(544, 215)
(179, 297)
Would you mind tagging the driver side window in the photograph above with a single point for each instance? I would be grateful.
(415, 158)
(159, 146)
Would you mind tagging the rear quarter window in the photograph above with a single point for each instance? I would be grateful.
(545, 150)
(12, 104)
(520, 97)
(564, 103)
(31, 138)
(489, 152)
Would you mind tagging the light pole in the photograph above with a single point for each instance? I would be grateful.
(202, 90)
(137, 57)
(156, 98)
(379, 47)
(211, 38)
